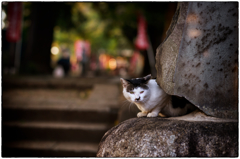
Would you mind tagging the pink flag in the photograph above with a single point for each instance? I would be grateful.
(141, 42)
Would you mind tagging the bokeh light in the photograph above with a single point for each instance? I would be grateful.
(112, 64)
(54, 50)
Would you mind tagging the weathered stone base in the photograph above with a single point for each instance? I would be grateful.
(162, 137)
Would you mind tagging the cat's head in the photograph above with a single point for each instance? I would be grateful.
(136, 90)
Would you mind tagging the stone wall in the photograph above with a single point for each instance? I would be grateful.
(199, 58)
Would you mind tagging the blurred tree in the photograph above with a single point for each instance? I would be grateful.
(110, 26)
(38, 34)
(89, 25)
(124, 15)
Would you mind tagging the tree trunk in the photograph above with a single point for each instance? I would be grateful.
(37, 59)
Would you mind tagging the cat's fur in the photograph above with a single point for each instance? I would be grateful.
(152, 100)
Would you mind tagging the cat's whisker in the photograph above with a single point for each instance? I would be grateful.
(130, 106)
(125, 103)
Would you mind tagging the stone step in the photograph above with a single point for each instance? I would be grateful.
(49, 149)
(54, 83)
(51, 85)
(33, 118)
(59, 114)
(60, 105)
(47, 131)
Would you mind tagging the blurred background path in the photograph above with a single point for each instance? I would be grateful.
(57, 117)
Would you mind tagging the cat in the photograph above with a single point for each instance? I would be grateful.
(151, 100)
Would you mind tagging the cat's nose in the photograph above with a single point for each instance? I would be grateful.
(137, 99)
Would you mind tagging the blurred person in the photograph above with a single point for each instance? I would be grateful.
(58, 72)
(64, 64)
(84, 62)
(83, 52)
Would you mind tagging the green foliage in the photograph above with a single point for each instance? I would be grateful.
(110, 26)
(87, 24)
(124, 15)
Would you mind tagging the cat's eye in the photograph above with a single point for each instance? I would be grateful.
(131, 92)
(141, 92)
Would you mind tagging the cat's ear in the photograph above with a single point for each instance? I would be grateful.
(124, 82)
(147, 78)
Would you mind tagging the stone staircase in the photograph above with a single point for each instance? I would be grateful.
(43, 121)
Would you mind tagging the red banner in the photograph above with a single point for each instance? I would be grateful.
(14, 16)
(141, 42)
(82, 47)
(78, 46)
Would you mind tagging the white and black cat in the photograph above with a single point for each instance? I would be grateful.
(152, 100)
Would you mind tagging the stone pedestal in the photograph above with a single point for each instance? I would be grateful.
(162, 137)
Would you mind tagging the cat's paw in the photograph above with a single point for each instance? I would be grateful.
(152, 114)
(141, 114)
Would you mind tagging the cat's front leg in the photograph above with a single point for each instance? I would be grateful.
(154, 112)
(141, 114)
